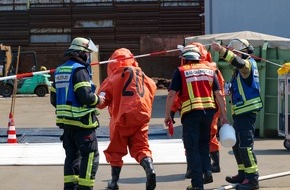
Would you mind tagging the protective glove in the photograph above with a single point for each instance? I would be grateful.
(172, 114)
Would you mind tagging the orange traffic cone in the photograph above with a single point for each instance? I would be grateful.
(11, 130)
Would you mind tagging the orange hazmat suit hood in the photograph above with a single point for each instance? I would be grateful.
(204, 54)
(122, 57)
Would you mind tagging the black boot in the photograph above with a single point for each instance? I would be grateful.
(239, 178)
(147, 164)
(207, 177)
(215, 167)
(194, 188)
(251, 182)
(115, 172)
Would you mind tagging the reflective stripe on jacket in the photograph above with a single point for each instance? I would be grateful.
(197, 94)
(246, 98)
(68, 109)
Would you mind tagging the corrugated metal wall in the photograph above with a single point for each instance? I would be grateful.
(48, 26)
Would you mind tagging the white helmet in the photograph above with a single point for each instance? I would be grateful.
(82, 44)
(238, 44)
(191, 52)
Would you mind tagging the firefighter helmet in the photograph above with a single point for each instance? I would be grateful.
(43, 68)
(241, 45)
(80, 44)
(190, 52)
(238, 44)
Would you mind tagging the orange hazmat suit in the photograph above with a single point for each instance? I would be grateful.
(129, 95)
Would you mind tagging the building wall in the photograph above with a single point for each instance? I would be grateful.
(48, 26)
(264, 16)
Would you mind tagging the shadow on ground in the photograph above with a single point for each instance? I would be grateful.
(52, 135)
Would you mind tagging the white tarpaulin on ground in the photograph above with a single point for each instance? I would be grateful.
(164, 151)
(256, 39)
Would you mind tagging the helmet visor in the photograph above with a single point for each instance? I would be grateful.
(92, 46)
(237, 45)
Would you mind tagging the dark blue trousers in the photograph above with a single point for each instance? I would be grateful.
(244, 125)
(82, 155)
(196, 138)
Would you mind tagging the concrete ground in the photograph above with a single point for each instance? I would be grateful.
(36, 112)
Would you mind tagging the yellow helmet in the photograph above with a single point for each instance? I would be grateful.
(285, 69)
(43, 68)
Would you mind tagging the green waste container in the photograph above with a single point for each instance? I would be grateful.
(270, 53)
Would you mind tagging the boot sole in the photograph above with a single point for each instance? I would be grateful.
(234, 182)
(214, 170)
(247, 188)
(115, 188)
(229, 180)
(112, 187)
(208, 180)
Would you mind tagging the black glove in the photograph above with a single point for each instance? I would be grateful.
(172, 113)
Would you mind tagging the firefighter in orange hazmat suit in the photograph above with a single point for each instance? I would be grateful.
(129, 95)
(214, 144)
